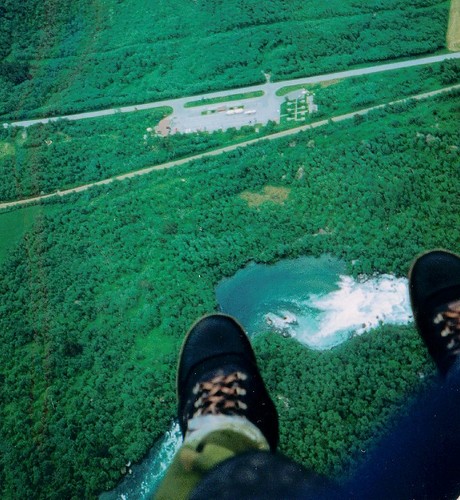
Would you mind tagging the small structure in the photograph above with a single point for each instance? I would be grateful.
(312, 107)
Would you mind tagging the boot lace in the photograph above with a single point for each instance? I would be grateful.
(220, 395)
(449, 320)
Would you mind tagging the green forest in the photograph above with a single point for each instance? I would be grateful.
(46, 157)
(101, 286)
(59, 59)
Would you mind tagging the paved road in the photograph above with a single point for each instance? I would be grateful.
(265, 107)
(219, 151)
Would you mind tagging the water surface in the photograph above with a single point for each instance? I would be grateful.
(313, 300)
(143, 479)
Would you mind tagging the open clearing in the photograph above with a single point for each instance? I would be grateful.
(274, 194)
(13, 225)
(226, 98)
(6, 149)
(453, 30)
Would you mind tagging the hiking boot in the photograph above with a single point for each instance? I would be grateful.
(434, 287)
(218, 375)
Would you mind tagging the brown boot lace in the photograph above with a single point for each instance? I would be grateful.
(449, 320)
(220, 395)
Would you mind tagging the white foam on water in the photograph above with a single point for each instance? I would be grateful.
(161, 460)
(145, 477)
(282, 320)
(356, 307)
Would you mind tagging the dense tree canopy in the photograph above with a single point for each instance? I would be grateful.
(46, 157)
(60, 58)
(99, 292)
(342, 400)
(98, 288)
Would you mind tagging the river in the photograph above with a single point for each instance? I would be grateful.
(142, 479)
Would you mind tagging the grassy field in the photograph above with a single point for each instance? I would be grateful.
(13, 226)
(227, 98)
(453, 31)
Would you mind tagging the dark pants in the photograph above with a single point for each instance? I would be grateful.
(418, 459)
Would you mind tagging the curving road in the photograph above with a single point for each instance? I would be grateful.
(219, 151)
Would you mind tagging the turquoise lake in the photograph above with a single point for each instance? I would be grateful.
(275, 297)
(312, 300)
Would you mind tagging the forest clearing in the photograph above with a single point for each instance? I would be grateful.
(453, 31)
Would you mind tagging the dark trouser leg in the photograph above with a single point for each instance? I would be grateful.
(418, 459)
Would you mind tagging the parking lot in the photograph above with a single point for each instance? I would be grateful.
(226, 115)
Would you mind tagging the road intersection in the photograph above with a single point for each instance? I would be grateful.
(262, 109)
(225, 149)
